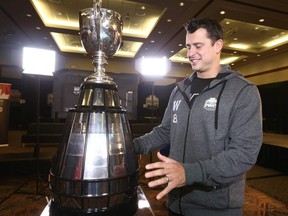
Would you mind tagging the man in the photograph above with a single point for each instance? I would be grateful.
(213, 123)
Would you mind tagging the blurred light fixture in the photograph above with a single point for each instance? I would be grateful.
(70, 21)
(228, 60)
(153, 66)
(239, 46)
(278, 41)
(38, 61)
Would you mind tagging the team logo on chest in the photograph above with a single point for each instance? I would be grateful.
(210, 104)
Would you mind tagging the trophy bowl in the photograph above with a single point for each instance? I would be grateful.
(100, 31)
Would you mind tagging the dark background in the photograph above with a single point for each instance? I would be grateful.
(274, 102)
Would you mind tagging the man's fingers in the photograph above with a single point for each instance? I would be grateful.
(164, 158)
(156, 165)
(164, 192)
(161, 181)
(160, 164)
(155, 173)
(157, 182)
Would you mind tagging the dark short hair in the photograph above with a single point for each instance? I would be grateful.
(213, 28)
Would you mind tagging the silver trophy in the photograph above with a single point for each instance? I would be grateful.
(95, 171)
(101, 36)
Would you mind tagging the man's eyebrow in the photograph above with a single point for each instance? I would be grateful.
(194, 44)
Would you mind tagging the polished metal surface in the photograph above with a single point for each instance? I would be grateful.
(101, 36)
(95, 170)
(144, 207)
(104, 35)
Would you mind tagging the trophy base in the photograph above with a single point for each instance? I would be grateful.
(126, 209)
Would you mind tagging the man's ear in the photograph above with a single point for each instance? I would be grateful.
(218, 45)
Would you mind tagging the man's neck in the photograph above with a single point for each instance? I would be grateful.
(209, 74)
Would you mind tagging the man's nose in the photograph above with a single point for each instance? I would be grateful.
(190, 52)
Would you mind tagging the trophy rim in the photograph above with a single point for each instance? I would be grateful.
(104, 9)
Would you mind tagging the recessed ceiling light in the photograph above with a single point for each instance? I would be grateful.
(169, 20)
(38, 28)
(143, 7)
(172, 51)
(159, 32)
(181, 4)
(261, 20)
(180, 45)
(227, 23)
(222, 12)
(28, 15)
(152, 41)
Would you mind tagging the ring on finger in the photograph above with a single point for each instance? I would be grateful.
(167, 179)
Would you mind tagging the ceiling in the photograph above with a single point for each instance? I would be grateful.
(253, 29)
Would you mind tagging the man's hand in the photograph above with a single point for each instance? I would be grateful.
(170, 172)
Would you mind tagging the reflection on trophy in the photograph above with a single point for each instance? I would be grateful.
(95, 170)
(101, 31)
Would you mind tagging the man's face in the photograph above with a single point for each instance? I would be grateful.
(202, 54)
